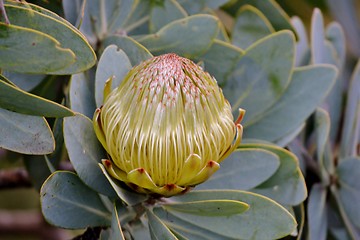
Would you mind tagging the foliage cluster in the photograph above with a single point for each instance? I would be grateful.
(302, 116)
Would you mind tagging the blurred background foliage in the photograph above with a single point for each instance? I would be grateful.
(324, 134)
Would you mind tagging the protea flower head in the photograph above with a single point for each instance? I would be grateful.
(166, 127)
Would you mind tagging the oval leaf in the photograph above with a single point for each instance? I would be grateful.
(210, 208)
(250, 26)
(188, 37)
(85, 152)
(26, 50)
(113, 63)
(257, 83)
(164, 13)
(249, 225)
(158, 230)
(186, 229)
(25, 134)
(134, 50)
(17, 100)
(302, 45)
(350, 137)
(26, 82)
(229, 55)
(271, 9)
(243, 169)
(116, 232)
(308, 87)
(317, 213)
(348, 173)
(68, 203)
(287, 184)
(82, 94)
(33, 17)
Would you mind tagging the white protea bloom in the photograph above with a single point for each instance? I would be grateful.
(166, 127)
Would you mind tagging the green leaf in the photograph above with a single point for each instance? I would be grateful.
(128, 197)
(17, 100)
(346, 14)
(348, 172)
(287, 185)
(42, 20)
(250, 26)
(56, 156)
(221, 59)
(290, 136)
(26, 50)
(316, 212)
(113, 63)
(25, 134)
(335, 34)
(271, 9)
(210, 208)
(85, 152)
(134, 50)
(300, 219)
(82, 94)
(322, 129)
(350, 133)
(302, 45)
(318, 47)
(137, 21)
(249, 225)
(243, 169)
(185, 228)
(308, 87)
(116, 229)
(158, 229)
(100, 18)
(193, 7)
(257, 83)
(165, 12)
(140, 230)
(39, 168)
(26, 82)
(323, 51)
(68, 203)
(188, 37)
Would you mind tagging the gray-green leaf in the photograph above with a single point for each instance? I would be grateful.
(25, 134)
(27, 50)
(188, 37)
(250, 26)
(287, 184)
(67, 202)
(158, 229)
(251, 224)
(210, 208)
(85, 152)
(308, 87)
(113, 63)
(42, 20)
(243, 169)
(164, 13)
(134, 50)
(17, 100)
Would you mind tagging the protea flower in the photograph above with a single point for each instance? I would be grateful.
(166, 127)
